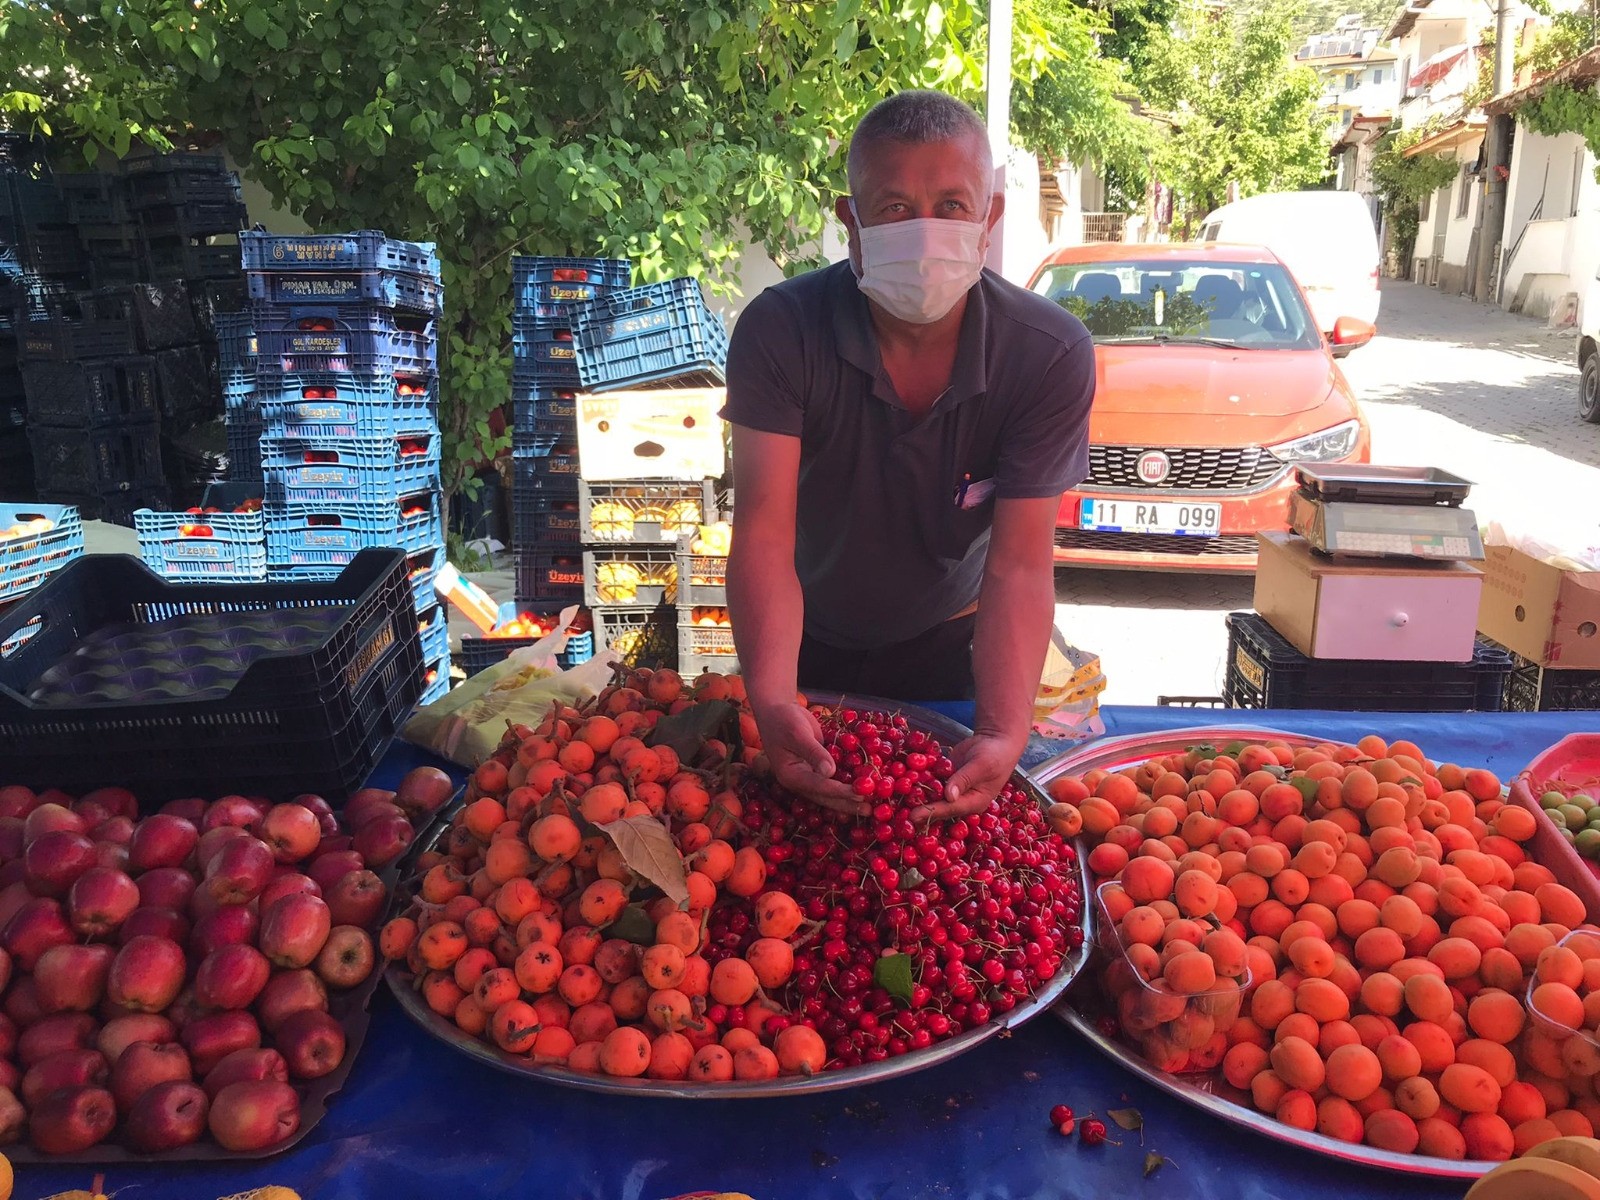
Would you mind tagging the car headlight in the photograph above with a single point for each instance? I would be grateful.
(1323, 446)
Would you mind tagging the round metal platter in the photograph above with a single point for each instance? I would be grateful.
(1113, 754)
(925, 720)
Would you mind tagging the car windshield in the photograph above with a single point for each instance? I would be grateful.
(1253, 306)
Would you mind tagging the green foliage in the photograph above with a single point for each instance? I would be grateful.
(668, 135)
(1181, 315)
(1564, 108)
(1403, 182)
(1568, 35)
(1244, 112)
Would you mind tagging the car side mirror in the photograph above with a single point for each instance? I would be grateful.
(1350, 332)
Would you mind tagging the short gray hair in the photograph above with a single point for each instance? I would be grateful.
(918, 117)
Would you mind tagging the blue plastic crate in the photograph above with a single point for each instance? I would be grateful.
(661, 331)
(549, 578)
(244, 445)
(362, 250)
(544, 410)
(539, 341)
(557, 465)
(348, 406)
(359, 340)
(236, 342)
(348, 471)
(422, 568)
(546, 286)
(525, 374)
(28, 559)
(244, 527)
(435, 632)
(481, 653)
(436, 690)
(201, 559)
(327, 537)
(415, 293)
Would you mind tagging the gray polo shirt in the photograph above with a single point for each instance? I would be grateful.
(883, 550)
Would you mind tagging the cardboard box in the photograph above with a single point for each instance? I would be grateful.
(1403, 610)
(1547, 615)
(666, 433)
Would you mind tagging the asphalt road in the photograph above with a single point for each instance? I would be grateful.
(1448, 383)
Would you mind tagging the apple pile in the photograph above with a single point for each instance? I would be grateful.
(165, 977)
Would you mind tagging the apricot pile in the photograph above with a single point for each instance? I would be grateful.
(1346, 935)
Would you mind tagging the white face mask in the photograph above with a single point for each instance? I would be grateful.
(918, 270)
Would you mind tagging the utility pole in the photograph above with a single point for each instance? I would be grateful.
(997, 114)
(1497, 162)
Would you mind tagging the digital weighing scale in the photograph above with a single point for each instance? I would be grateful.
(1381, 512)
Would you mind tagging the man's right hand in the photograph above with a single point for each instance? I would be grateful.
(791, 738)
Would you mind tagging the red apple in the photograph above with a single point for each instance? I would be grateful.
(92, 812)
(12, 897)
(287, 993)
(191, 809)
(294, 930)
(33, 929)
(382, 840)
(365, 805)
(51, 818)
(213, 840)
(8, 1036)
(15, 871)
(111, 855)
(72, 978)
(239, 870)
(231, 810)
(288, 882)
(253, 1116)
(326, 820)
(22, 1002)
(166, 1117)
(211, 1038)
(17, 801)
(10, 1076)
(72, 1120)
(5, 969)
(291, 831)
(162, 841)
(336, 844)
(100, 900)
(358, 898)
(55, 1033)
(229, 925)
(66, 1068)
(53, 860)
(347, 958)
(123, 1032)
(114, 829)
(156, 922)
(184, 1010)
(311, 1042)
(143, 1065)
(166, 887)
(57, 796)
(328, 868)
(147, 974)
(246, 1066)
(423, 792)
(231, 977)
(13, 1117)
(118, 800)
(10, 838)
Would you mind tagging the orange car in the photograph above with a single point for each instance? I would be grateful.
(1212, 381)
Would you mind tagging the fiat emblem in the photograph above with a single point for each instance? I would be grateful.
(1154, 466)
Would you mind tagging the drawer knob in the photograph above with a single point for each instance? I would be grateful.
(1400, 620)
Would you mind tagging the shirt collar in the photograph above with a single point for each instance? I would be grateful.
(857, 342)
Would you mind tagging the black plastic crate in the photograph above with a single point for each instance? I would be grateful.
(1265, 671)
(94, 198)
(188, 258)
(187, 386)
(104, 460)
(51, 250)
(196, 219)
(554, 473)
(115, 507)
(31, 201)
(86, 395)
(24, 154)
(1533, 688)
(16, 466)
(209, 297)
(315, 719)
(194, 459)
(481, 653)
(540, 519)
(98, 325)
(163, 316)
(552, 578)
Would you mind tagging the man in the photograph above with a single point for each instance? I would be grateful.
(903, 427)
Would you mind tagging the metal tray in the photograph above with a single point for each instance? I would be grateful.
(1368, 484)
(825, 1081)
(1207, 1092)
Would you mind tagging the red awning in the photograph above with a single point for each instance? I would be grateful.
(1437, 67)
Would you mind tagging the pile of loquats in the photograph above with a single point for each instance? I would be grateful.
(625, 891)
(1348, 938)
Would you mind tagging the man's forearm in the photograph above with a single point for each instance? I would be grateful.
(1016, 613)
(767, 610)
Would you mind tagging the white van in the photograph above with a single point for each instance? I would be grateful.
(1326, 239)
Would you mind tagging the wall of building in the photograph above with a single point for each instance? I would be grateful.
(1554, 253)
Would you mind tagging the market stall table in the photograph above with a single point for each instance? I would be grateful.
(417, 1119)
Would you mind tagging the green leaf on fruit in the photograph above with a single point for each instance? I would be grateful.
(634, 925)
(1233, 748)
(1204, 750)
(648, 849)
(1153, 1162)
(686, 732)
(892, 973)
(1306, 787)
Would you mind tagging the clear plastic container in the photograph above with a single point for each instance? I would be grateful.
(1582, 1059)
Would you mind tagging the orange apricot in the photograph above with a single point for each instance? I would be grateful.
(1391, 1129)
(1469, 1088)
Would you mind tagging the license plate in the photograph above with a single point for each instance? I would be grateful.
(1151, 516)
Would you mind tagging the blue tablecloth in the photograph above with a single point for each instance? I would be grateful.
(418, 1119)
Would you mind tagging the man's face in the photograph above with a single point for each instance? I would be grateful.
(899, 181)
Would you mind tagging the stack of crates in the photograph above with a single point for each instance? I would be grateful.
(637, 508)
(705, 635)
(346, 388)
(547, 295)
(189, 210)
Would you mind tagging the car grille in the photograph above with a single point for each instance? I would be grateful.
(1194, 469)
(1153, 543)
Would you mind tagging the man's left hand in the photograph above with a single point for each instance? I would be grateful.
(984, 763)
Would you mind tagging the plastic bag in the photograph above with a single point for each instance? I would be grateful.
(466, 724)
(1571, 543)
(1067, 704)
